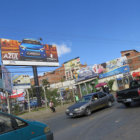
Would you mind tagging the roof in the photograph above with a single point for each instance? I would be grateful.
(71, 60)
(129, 51)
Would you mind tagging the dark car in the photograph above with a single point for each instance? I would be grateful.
(89, 103)
(132, 94)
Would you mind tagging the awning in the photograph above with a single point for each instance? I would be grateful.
(85, 81)
(135, 74)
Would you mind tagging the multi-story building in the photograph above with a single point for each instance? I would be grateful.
(133, 57)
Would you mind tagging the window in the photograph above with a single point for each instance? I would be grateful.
(95, 97)
(8, 123)
(5, 124)
(35, 42)
(127, 54)
(101, 95)
(20, 123)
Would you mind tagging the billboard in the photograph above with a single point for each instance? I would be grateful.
(110, 68)
(21, 82)
(84, 74)
(71, 66)
(28, 52)
(113, 67)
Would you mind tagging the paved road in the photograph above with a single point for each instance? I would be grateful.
(116, 123)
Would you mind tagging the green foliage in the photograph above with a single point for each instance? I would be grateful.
(32, 91)
(53, 95)
(110, 84)
(45, 82)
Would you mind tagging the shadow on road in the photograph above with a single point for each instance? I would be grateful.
(132, 106)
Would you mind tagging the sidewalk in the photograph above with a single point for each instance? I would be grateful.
(44, 113)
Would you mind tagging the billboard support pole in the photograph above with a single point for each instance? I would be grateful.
(37, 85)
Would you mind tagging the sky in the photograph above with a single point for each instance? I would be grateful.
(94, 30)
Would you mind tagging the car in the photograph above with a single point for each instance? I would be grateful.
(33, 103)
(32, 49)
(15, 128)
(89, 103)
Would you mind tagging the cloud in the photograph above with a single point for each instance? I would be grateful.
(62, 49)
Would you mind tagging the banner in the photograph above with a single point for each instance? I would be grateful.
(113, 67)
(85, 73)
(28, 52)
(7, 80)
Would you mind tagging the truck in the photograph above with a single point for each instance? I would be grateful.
(132, 94)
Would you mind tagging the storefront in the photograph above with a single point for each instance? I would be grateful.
(86, 81)
(87, 86)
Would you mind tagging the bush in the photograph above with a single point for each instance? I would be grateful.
(110, 84)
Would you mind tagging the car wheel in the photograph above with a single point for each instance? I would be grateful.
(127, 104)
(88, 112)
(109, 104)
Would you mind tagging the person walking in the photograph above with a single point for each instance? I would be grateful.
(76, 98)
(51, 105)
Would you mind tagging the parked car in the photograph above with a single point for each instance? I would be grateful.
(32, 49)
(132, 94)
(89, 103)
(15, 128)
(33, 103)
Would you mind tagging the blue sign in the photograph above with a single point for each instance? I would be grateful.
(123, 69)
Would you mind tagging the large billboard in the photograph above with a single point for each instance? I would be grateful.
(28, 52)
(113, 67)
(110, 68)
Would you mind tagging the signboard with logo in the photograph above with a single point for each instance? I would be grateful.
(28, 52)
(21, 82)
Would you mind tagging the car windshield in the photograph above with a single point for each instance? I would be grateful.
(31, 42)
(85, 99)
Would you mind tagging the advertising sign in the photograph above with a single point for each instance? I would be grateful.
(7, 81)
(114, 67)
(71, 66)
(74, 63)
(85, 73)
(28, 52)
(21, 81)
(116, 71)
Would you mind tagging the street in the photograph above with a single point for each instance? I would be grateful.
(116, 123)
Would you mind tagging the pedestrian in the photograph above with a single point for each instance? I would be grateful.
(76, 98)
(51, 105)
(25, 105)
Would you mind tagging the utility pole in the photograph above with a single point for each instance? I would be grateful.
(28, 98)
(45, 97)
(37, 85)
(8, 103)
